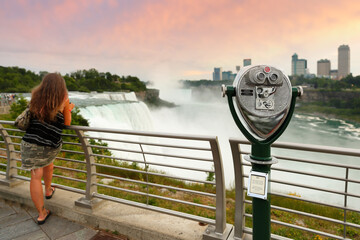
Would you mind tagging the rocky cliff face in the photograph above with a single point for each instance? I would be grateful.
(311, 95)
(148, 95)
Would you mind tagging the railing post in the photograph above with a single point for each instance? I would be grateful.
(345, 199)
(91, 188)
(221, 229)
(11, 163)
(239, 223)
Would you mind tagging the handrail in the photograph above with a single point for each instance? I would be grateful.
(240, 179)
(180, 153)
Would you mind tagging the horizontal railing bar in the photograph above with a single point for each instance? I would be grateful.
(117, 158)
(1, 156)
(308, 201)
(16, 137)
(157, 196)
(152, 163)
(3, 164)
(318, 148)
(141, 133)
(311, 187)
(69, 135)
(19, 168)
(178, 156)
(71, 189)
(69, 178)
(72, 143)
(301, 228)
(157, 209)
(69, 169)
(148, 144)
(158, 154)
(73, 152)
(316, 188)
(316, 202)
(313, 174)
(12, 129)
(309, 215)
(307, 229)
(317, 162)
(76, 190)
(157, 185)
(302, 160)
(155, 174)
(308, 147)
(179, 167)
(272, 236)
(70, 160)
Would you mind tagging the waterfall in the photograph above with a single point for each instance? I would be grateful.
(123, 115)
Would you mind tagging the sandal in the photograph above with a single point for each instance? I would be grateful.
(53, 191)
(43, 221)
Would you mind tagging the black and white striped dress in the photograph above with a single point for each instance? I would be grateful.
(41, 142)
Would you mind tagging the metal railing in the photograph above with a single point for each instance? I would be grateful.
(142, 169)
(327, 176)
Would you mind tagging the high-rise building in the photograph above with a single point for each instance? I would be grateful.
(323, 68)
(217, 74)
(237, 68)
(247, 62)
(298, 66)
(343, 61)
(228, 75)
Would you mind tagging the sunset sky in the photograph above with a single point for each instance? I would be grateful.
(167, 40)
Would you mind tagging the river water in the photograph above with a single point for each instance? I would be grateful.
(212, 117)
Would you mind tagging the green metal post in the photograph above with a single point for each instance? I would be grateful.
(261, 207)
(261, 161)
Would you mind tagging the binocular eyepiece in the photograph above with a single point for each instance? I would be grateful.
(263, 96)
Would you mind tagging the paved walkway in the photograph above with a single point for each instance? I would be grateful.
(19, 222)
(71, 221)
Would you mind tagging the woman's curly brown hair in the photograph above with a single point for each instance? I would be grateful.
(48, 97)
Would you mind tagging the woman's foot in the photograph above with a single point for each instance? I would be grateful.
(43, 219)
(50, 193)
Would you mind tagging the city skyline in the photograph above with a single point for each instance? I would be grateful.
(165, 41)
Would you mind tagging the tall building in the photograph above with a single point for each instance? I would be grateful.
(323, 68)
(217, 74)
(247, 62)
(343, 61)
(298, 66)
(237, 68)
(228, 75)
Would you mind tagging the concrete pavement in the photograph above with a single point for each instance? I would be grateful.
(75, 222)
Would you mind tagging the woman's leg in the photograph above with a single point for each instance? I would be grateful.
(36, 192)
(48, 173)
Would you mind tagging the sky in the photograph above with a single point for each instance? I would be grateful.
(164, 41)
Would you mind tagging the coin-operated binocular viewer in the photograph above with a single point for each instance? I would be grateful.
(261, 102)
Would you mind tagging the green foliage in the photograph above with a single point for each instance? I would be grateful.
(205, 83)
(18, 107)
(349, 82)
(15, 79)
(77, 118)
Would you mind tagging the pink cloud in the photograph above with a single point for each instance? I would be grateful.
(203, 33)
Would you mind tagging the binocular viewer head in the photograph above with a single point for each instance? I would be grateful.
(263, 96)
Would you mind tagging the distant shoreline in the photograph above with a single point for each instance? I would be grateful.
(327, 112)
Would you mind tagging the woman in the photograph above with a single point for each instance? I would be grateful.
(50, 112)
